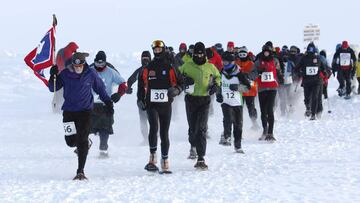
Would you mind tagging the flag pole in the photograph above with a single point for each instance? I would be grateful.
(54, 62)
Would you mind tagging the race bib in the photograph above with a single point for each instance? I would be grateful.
(158, 95)
(312, 70)
(69, 128)
(267, 77)
(345, 59)
(288, 80)
(232, 98)
(189, 89)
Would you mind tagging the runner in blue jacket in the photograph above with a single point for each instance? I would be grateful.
(78, 82)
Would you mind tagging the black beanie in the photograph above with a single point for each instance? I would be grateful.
(100, 57)
(199, 48)
(146, 54)
(209, 53)
(323, 53)
(228, 56)
(270, 44)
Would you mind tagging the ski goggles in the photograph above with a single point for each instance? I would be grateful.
(158, 43)
(77, 62)
(242, 55)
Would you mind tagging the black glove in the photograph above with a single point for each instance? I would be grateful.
(115, 97)
(109, 108)
(188, 81)
(234, 87)
(173, 92)
(129, 90)
(213, 89)
(54, 70)
(141, 104)
(219, 98)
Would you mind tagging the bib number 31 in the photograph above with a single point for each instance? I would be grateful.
(70, 128)
(267, 77)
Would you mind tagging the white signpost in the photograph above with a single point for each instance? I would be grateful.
(311, 34)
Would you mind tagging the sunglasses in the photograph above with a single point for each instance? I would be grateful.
(157, 43)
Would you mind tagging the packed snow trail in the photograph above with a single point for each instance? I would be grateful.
(311, 161)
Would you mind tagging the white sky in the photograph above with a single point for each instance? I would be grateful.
(127, 26)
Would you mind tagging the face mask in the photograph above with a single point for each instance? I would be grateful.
(229, 67)
(145, 62)
(199, 60)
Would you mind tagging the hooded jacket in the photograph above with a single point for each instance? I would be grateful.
(78, 89)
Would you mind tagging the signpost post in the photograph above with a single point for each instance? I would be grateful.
(311, 34)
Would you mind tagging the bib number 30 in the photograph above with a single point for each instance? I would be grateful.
(158, 95)
(70, 128)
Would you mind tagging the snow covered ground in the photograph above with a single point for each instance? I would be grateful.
(312, 161)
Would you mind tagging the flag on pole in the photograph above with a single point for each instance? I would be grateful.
(43, 55)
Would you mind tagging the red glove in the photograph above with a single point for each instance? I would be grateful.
(122, 88)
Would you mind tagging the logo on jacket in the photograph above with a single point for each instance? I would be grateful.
(152, 73)
(164, 72)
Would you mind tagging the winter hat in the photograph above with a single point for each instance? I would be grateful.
(243, 49)
(230, 44)
(79, 58)
(311, 48)
(218, 46)
(267, 48)
(345, 45)
(323, 53)
(293, 49)
(209, 53)
(277, 50)
(146, 54)
(228, 56)
(182, 46)
(269, 44)
(338, 46)
(199, 48)
(72, 46)
(284, 48)
(100, 57)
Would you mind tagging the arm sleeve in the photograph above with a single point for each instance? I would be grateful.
(141, 86)
(59, 83)
(243, 80)
(117, 78)
(132, 79)
(217, 76)
(99, 88)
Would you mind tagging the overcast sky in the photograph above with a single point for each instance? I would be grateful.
(127, 26)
